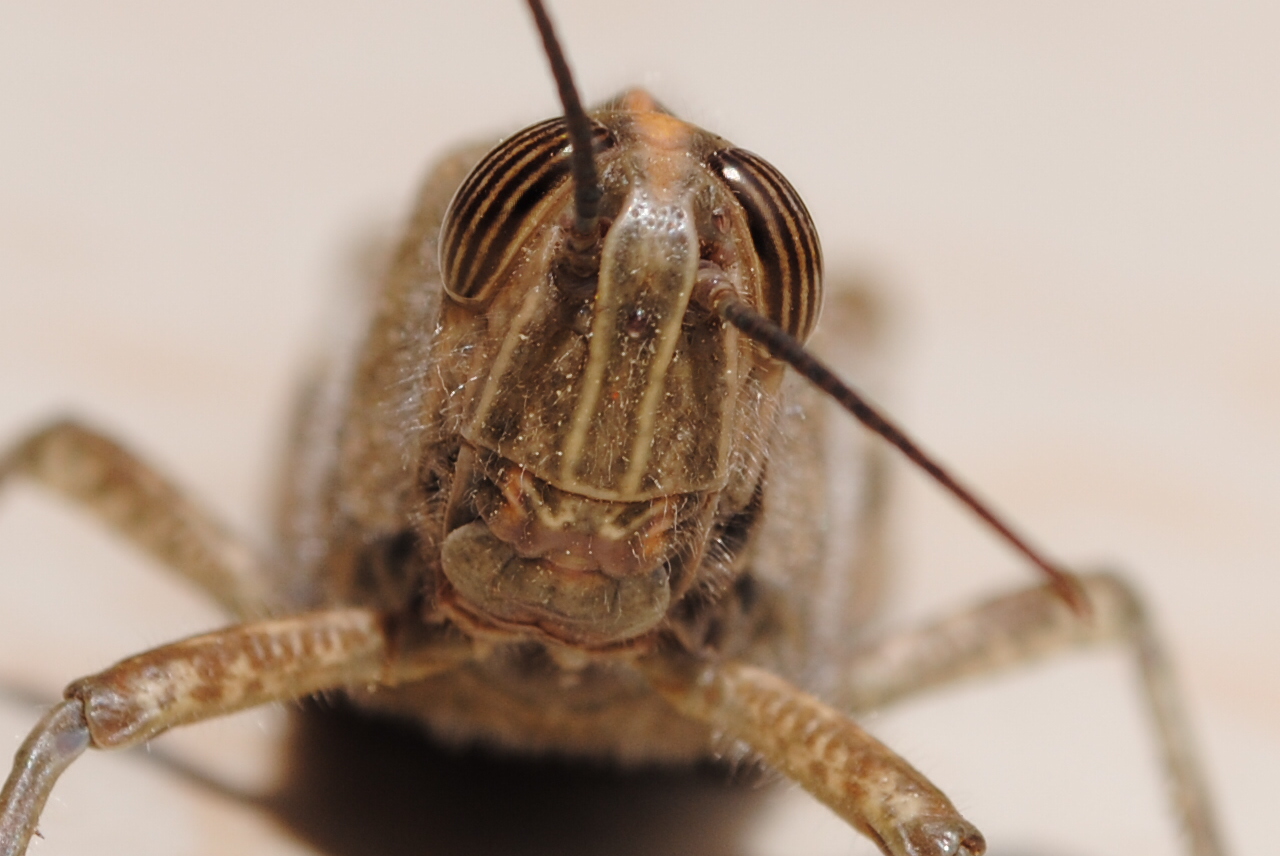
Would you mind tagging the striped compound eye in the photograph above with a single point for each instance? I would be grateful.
(502, 204)
(784, 238)
(498, 206)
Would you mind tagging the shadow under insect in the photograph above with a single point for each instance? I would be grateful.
(356, 785)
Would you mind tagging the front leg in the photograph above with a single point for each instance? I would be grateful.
(211, 675)
(860, 778)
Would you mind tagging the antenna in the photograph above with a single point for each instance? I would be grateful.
(717, 294)
(586, 182)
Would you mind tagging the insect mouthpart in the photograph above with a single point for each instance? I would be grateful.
(524, 555)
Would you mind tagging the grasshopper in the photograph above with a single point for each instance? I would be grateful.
(479, 489)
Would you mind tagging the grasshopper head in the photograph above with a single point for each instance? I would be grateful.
(611, 426)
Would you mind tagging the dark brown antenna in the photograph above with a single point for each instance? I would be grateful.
(586, 182)
(718, 295)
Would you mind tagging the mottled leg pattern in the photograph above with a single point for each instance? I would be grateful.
(823, 750)
(1021, 627)
(208, 676)
(136, 501)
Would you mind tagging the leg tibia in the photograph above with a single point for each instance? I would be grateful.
(1022, 627)
(823, 750)
(57, 740)
(211, 675)
(229, 670)
(135, 500)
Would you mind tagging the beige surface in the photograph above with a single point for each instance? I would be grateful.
(1073, 209)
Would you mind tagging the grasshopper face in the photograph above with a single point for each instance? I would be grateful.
(610, 431)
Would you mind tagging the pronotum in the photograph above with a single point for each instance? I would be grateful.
(199, 440)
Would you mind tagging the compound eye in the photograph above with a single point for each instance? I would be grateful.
(783, 236)
(502, 204)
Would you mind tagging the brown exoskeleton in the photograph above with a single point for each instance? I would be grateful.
(549, 498)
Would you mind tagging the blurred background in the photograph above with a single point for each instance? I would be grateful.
(1070, 211)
